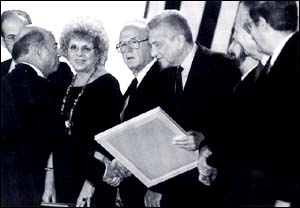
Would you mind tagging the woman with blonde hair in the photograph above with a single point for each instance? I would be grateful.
(92, 103)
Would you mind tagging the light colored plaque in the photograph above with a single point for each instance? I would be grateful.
(144, 146)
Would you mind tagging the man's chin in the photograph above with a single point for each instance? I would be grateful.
(163, 65)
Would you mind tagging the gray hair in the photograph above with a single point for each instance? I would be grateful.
(32, 37)
(141, 24)
(89, 29)
(15, 13)
(175, 21)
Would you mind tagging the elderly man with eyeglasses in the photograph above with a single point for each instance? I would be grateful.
(141, 95)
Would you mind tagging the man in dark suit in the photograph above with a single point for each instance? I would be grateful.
(265, 157)
(197, 82)
(141, 96)
(28, 122)
(244, 49)
(12, 21)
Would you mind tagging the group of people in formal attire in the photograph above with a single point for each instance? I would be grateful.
(239, 110)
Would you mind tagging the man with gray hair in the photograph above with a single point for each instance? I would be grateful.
(141, 95)
(12, 21)
(197, 84)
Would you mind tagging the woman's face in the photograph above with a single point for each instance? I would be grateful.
(82, 55)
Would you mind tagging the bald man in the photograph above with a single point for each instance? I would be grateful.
(29, 122)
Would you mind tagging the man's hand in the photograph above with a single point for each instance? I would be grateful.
(84, 198)
(207, 174)
(112, 176)
(121, 169)
(152, 199)
(191, 142)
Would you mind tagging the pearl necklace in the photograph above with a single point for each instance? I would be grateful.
(68, 122)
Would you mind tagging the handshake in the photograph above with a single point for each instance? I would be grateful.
(115, 172)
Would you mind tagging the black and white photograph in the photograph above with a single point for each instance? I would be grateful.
(150, 104)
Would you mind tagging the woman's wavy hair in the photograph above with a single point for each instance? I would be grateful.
(89, 29)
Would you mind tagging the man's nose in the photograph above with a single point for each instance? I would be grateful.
(59, 52)
(153, 51)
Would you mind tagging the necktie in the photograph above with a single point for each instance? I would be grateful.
(250, 79)
(128, 97)
(266, 68)
(178, 85)
(132, 88)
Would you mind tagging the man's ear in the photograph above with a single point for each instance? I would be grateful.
(262, 23)
(180, 39)
(36, 51)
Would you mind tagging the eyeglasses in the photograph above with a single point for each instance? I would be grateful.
(84, 49)
(133, 44)
(248, 26)
(10, 37)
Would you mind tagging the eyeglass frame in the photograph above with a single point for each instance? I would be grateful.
(10, 37)
(83, 49)
(129, 44)
(248, 26)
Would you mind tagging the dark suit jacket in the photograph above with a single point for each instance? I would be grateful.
(31, 128)
(28, 132)
(5, 67)
(146, 96)
(210, 82)
(264, 134)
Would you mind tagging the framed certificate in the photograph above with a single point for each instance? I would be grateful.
(144, 146)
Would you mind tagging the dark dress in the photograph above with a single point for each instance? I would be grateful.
(98, 109)
(29, 130)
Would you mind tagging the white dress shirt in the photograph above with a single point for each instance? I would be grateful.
(187, 64)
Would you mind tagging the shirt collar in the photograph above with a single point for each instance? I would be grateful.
(264, 59)
(12, 66)
(39, 73)
(245, 74)
(279, 48)
(187, 63)
(144, 71)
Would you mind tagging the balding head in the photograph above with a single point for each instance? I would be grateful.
(36, 46)
(140, 26)
(134, 45)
